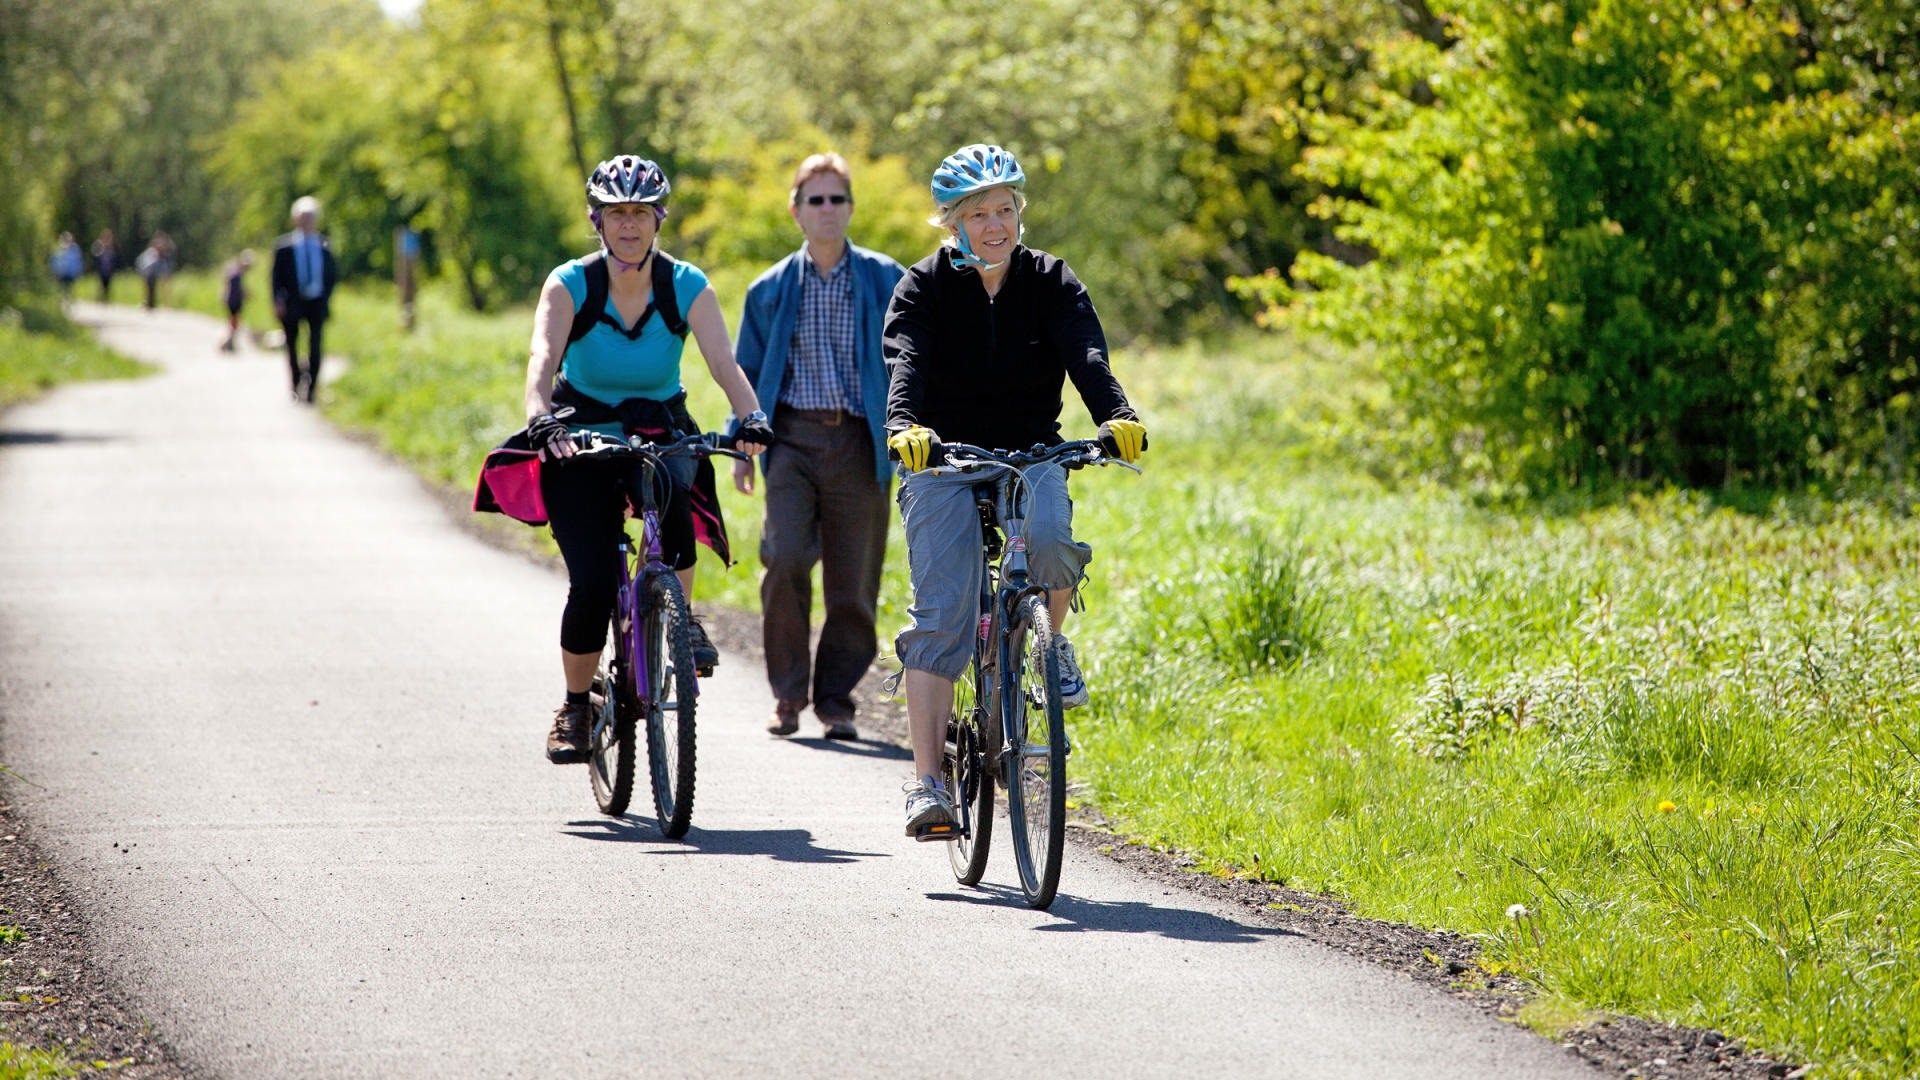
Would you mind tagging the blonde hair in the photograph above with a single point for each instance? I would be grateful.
(949, 215)
(816, 165)
(305, 204)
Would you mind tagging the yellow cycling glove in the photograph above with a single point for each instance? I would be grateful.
(1124, 439)
(913, 447)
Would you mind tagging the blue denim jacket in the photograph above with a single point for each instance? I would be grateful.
(766, 330)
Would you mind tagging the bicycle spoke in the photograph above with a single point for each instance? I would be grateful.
(610, 740)
(1036, 773)
(670, 710)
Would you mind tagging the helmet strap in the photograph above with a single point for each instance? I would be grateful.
(961, 254)
(621, 265)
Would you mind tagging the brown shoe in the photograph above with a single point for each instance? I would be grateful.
(567, 742)
(785, 719)
(839, 727)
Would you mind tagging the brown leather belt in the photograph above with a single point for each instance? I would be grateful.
(828, 417)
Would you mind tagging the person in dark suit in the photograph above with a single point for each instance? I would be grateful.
(303, 277)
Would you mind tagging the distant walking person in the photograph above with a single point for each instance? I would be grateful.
(153, 265)
(234, 292)
(106, 262)
(67, 263)
(810, 342)
(303, 277)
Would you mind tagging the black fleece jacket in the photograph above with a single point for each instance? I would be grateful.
(990, 370)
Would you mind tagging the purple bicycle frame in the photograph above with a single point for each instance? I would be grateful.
(630, 601)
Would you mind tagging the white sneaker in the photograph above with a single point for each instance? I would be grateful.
(929, 810)
(1073, 686)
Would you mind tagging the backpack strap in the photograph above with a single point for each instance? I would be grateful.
(593, 309)
(664, 300)
(595, 304)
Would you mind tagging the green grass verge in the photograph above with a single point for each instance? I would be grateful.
(40, 349)
(20, 1063)
(1660, 756)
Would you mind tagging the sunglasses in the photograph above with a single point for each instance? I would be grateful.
(837, 200)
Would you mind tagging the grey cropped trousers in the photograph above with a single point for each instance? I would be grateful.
(943, 556)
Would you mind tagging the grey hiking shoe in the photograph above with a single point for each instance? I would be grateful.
(1073, 686)
(929, 811)
(567, 742)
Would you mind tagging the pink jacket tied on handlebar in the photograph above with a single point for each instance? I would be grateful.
(510, 482)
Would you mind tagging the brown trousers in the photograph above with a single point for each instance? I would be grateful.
(825, 507)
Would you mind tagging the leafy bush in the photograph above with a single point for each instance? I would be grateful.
(1625, 242)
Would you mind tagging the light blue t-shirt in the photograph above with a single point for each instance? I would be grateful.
(609, 366)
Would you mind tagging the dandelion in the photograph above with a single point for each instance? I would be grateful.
(1523, 917)
(1667, 806)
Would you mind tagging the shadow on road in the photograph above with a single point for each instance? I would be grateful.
(45, 438)
(780, 845)
(1077, 915)
(877, 751)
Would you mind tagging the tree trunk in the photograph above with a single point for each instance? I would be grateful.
(554, 44)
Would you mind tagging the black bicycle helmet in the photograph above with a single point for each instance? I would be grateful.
(627, 179)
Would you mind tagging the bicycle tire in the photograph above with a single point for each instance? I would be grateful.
(1036, 769)
(967, 778)
(610, 753)
(670, 703)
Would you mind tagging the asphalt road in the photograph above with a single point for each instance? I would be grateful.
(285, 720)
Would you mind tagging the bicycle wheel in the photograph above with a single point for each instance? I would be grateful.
(968, 779)
(1036, 772)
(669, 703)
(610, 742)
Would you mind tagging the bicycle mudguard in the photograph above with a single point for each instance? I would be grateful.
(510, 484)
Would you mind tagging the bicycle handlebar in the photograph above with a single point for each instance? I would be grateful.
(1073, 454)
(592, 444)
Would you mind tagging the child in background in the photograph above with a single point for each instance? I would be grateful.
(235, 275)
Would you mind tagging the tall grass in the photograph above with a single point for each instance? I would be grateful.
(1685, 738)
(40, 349)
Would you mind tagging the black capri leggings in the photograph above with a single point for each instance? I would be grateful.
(586, 509)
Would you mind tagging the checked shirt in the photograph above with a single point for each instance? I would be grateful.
(823, 371)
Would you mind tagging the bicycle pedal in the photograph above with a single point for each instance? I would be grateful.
(946, 830)
(703, 672)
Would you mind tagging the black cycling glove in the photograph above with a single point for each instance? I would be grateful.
(755, 429)
(546, 431)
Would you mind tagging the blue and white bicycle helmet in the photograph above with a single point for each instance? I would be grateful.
(969, 171)
(627, 179)
(972, 169)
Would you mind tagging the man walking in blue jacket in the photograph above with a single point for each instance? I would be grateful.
(810, 344)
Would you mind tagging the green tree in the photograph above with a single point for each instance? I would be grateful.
(1249, 76)
(107, 103)
(1596, 243)
(388, 132)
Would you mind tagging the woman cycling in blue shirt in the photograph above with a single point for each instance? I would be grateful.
(621, 377)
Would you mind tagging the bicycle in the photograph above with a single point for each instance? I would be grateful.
(646, 669)
(1008, 723)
